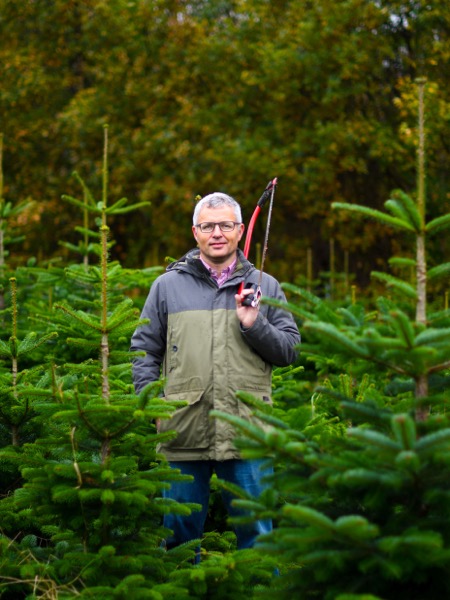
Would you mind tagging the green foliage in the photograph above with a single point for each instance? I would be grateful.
(358, 435)
(368, 519)
(88, 481)
(393, 221)
(323, 90)
(237, 575)
(394, 283)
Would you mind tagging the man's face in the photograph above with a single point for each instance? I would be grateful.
(218, 247)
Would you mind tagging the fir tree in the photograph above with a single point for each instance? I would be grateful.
(93, 480)
(360, 490)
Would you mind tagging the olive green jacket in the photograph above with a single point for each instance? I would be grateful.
(196, 343)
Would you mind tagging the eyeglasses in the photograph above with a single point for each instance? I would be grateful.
(224, 226)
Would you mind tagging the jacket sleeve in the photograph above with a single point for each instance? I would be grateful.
(274, 336)
(151, 338)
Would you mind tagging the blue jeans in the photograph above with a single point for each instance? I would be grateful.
(247, 474)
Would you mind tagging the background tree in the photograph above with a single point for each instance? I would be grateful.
(208, 95)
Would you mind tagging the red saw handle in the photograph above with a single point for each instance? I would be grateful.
(248, 238)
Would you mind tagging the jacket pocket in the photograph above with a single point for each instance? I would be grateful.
(190, 422)
(246, 412)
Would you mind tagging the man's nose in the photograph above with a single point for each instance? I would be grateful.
(216, 227)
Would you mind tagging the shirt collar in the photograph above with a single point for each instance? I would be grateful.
(224, 275)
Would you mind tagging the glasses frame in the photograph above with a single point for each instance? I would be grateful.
(220, 223)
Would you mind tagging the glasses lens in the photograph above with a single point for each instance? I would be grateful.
(226, 225)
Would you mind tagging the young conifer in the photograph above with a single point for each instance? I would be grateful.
(93, 479)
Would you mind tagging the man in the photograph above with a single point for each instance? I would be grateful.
(207, 344)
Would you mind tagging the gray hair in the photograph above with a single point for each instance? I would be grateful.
(216, 200)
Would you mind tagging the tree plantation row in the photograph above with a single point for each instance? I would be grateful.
(358, 435)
